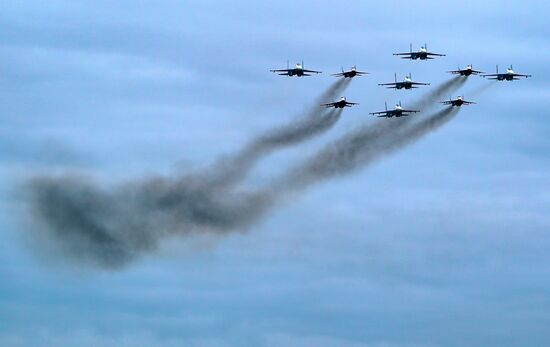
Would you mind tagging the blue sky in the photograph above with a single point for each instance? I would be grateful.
(444, 243)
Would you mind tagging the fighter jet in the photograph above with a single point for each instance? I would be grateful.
(422, 54)
(398, 111)
(340, 103)
(466, 72)
(350, 73)
(459, 101)
(509, 75)
(298, 70)
(406, 84)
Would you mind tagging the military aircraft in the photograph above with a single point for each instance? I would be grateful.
(406, 84)
(298, 70)
(509, 75)
(466, 72)
(422, 54)
(340, 103)
(459, 101)
(398, 111)
(350, 73)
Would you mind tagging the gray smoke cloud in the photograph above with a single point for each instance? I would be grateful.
(229, 170)
(440, 93)
(109, 226)
(360, 148)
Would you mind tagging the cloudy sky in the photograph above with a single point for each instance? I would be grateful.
(444, 243)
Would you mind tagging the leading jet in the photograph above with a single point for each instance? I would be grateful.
(509, 75)
(340, 103)
(298, 70)
(406, 84)
(398, 111)
(459, 101)
(350, 73)
(422, 54)
(466, 72)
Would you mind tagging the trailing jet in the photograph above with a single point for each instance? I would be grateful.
(466, 72)
(298, 70)
(406, 84)
(340, 103)
(350, 73)
(398, 111)
(459, 101)
(509, 75)
(422, 54)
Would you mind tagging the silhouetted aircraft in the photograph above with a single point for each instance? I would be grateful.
(466, 72)
(459, 101)
(406, 84)
(350, 73)
(340, 103)
(398, 111)
(298, 70)
(422, 54)
(509, 75)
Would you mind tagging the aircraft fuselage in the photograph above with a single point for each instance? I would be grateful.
(340, 104)
(403, 85)
(419, 55)
(296, 72)
(457, 102)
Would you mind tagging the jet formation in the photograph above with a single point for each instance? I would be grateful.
(407, 82)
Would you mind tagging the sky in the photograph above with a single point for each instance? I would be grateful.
(442, 243)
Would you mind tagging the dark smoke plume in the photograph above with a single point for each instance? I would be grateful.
(440, 93)
(360, 148)
(108, 227)
(111, 226)
(232, 169)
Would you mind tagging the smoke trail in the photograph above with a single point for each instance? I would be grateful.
(359, 148)
(440, 93)
(111, 226)
(229, 170)
(345, 153)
